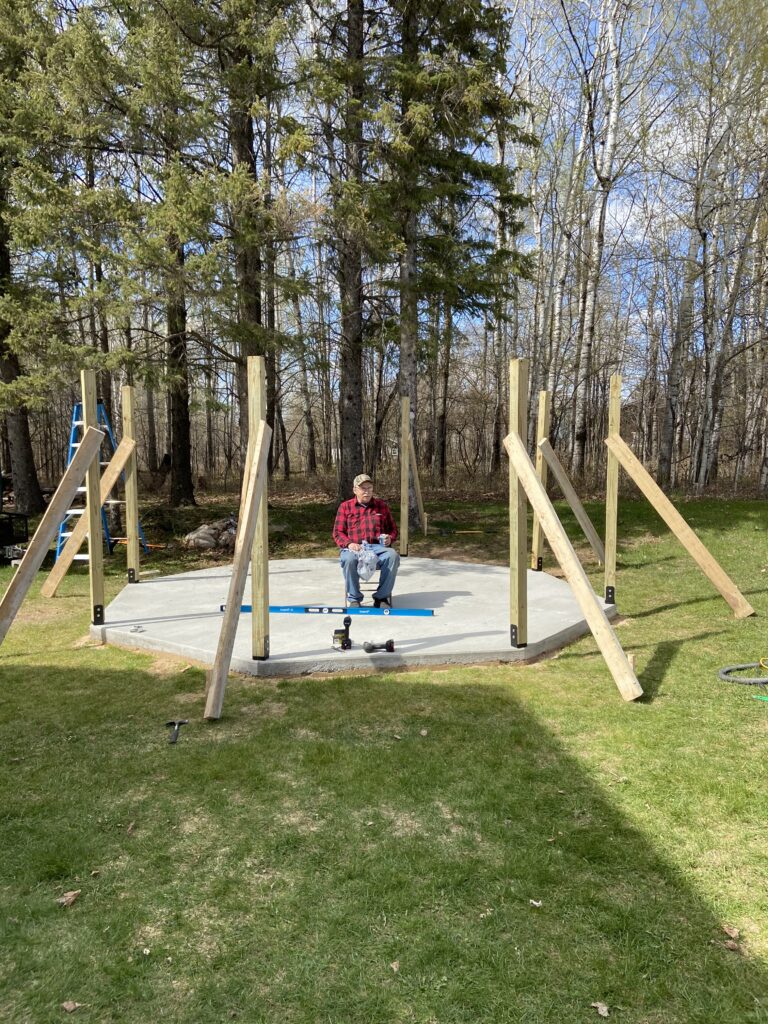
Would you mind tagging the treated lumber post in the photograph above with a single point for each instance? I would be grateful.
(122, 456)
(570, 495)
(542, 433)
(49, 524)
(518, 525)
(93, 505)
(405, 435)
(257, 411)
(416, 482)
(246, 528)
(133, 550)
(719, 579)
(612, 491)
(606, 639)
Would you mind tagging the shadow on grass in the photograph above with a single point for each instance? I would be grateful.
(352, 850)
(652, 676)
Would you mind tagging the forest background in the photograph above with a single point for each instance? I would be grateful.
(383, 199)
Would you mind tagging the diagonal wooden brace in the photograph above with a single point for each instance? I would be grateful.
(716, 575)
(112, 472)
(49, 524)
(606, 639)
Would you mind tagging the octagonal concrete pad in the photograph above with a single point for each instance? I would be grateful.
(181, 615)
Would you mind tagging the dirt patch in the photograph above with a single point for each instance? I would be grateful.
(403, 822)
(168, 665)
(86, 641)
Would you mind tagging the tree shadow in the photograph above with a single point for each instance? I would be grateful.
(385, 848)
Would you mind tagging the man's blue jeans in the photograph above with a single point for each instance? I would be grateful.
(387, 561)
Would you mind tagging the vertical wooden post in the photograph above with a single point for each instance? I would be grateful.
(257, 412)
(518, 527)
(93, 507)
(133, 554)
(405, 475)
(612, 492)
(542, 434)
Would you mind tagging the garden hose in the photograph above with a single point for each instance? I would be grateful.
(726, 674)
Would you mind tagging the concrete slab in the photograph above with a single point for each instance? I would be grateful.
(180, 615)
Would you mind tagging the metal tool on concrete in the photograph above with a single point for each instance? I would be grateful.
(388, 645)
(341, 638)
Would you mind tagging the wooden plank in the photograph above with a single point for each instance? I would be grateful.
(417, 482)
(405, 476)
(93, 505)
(257, 411)
(246, 530)
(612, 492)
(542, 433)
(122, 455)
(518, 510)
(570, 495)
(606, 639)
(49, 525)
(133, 553)
(716, 575)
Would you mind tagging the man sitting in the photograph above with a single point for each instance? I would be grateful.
(365, 518)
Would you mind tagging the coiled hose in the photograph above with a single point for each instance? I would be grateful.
(727, 674)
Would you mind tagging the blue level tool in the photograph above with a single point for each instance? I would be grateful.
(320, 609)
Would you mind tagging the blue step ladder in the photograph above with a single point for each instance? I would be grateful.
(75, 434)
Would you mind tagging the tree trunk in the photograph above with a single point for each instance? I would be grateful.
(26, 486)
(182, 489)
(350, 272)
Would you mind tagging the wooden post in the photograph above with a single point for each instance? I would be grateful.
(133, 550)
(720, 580)
(93, 505)
(257, 411)
(570, 495)
(121, 458)
(417, 482)
(606, 639)
(542, 433)
(49, 524)
(612, 492)
(518, 526)
(256, 474)
(405, 436)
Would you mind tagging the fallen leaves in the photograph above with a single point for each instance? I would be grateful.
(535, 903)
(602, 1009)
(69, 1006)
(395, 965)
(731, 942)
(68, 898)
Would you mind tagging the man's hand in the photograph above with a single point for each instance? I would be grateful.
(355, 547)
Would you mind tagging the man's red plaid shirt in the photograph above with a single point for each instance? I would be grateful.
(356, 523)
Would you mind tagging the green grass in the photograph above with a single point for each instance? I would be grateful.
(313, 857)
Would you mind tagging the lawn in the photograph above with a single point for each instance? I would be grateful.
(482, 844)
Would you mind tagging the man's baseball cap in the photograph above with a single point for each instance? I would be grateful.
(362, 478)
